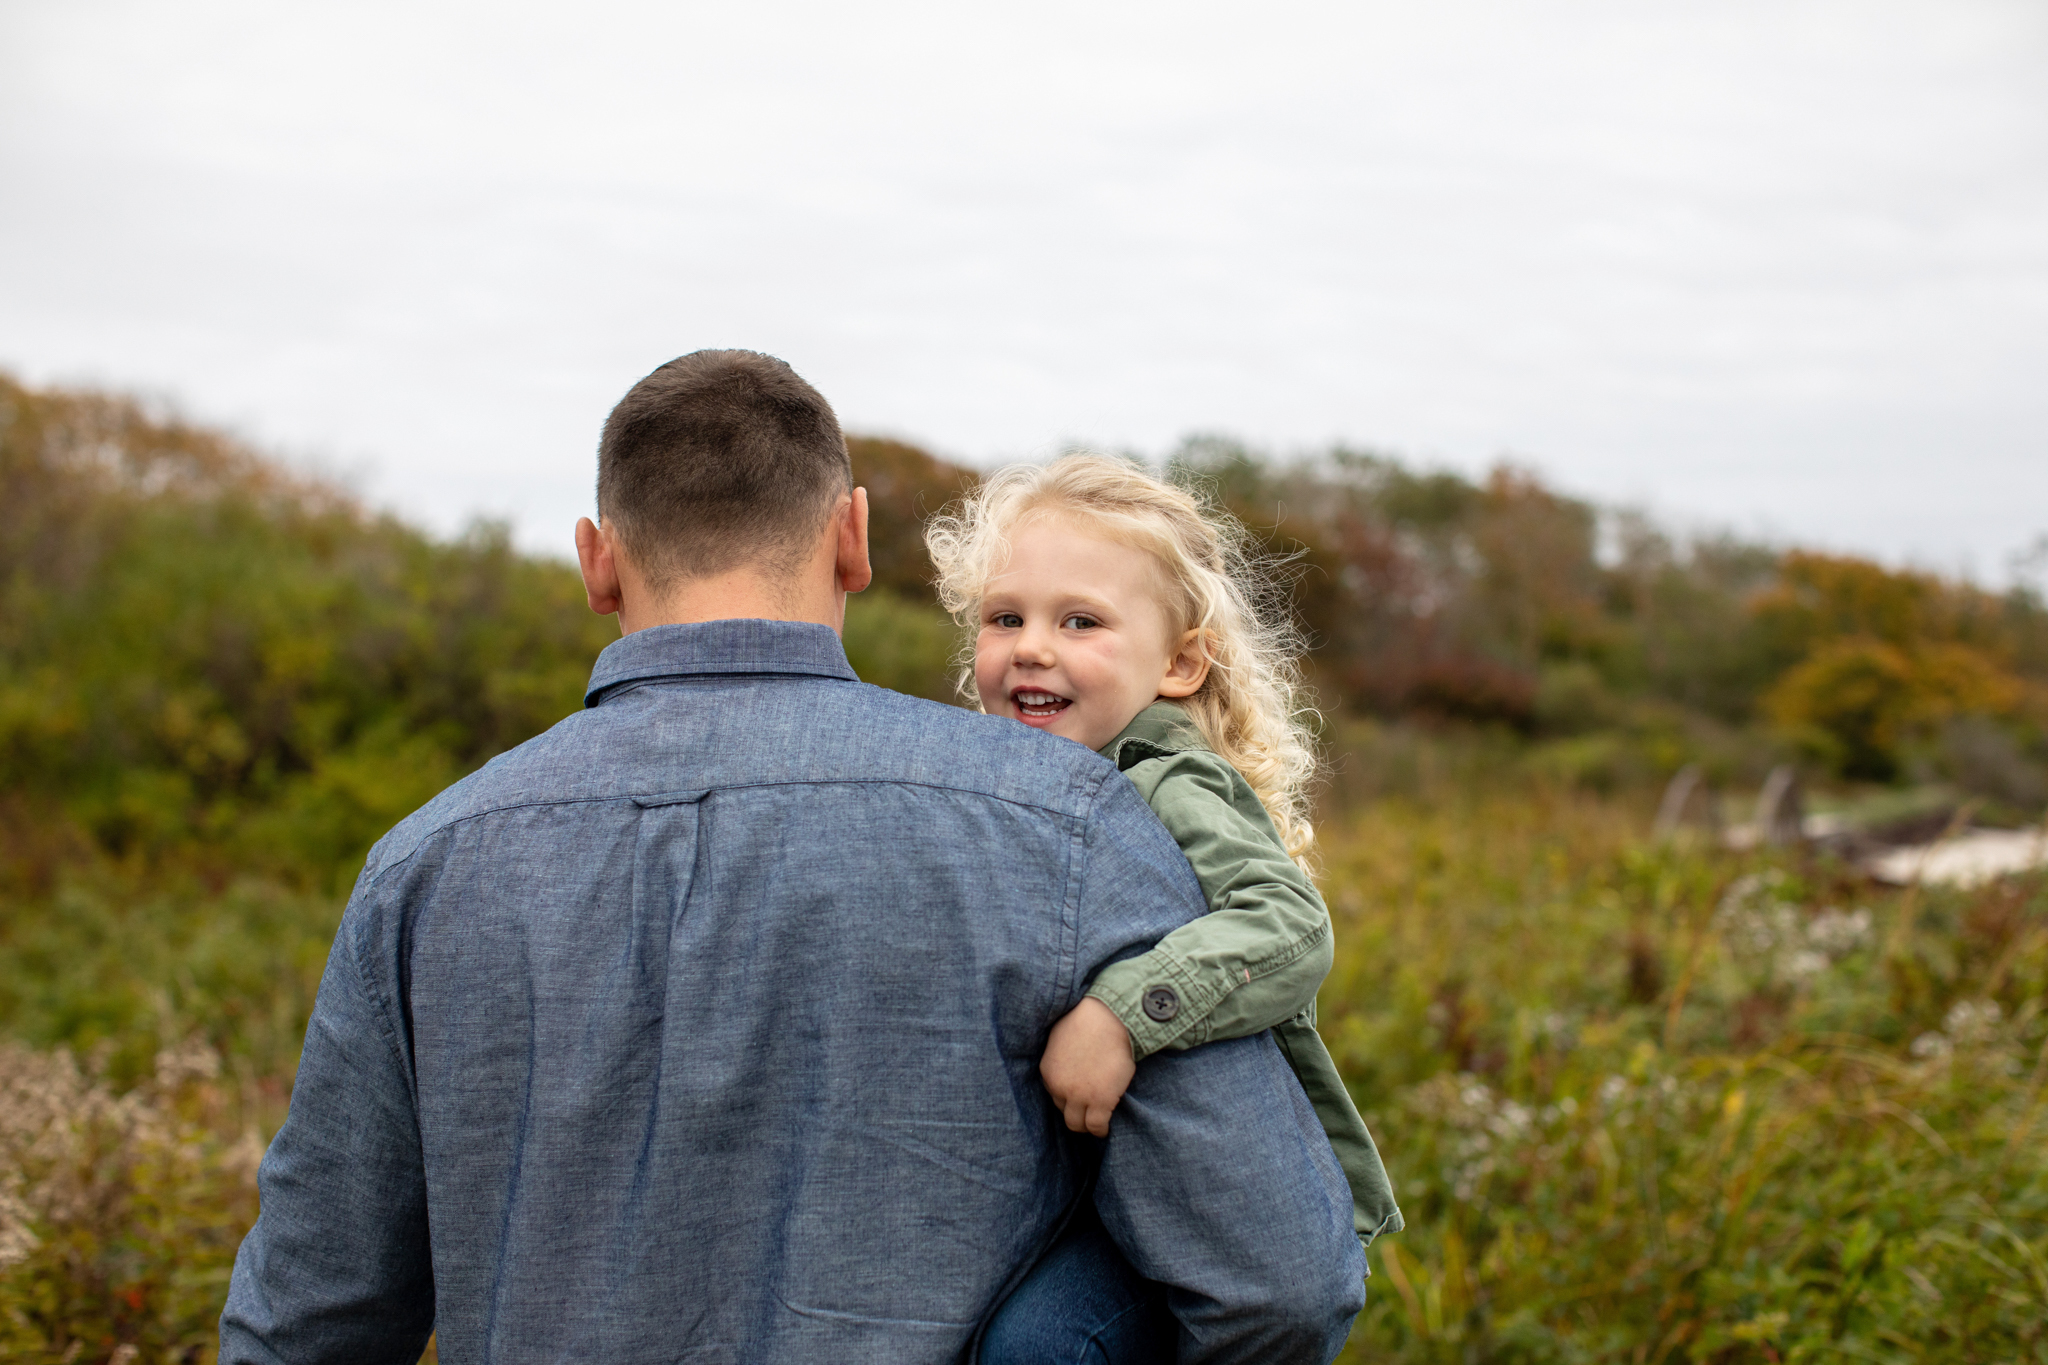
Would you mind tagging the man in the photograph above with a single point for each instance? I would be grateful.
(703, 1026)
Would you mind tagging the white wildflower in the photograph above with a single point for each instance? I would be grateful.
(1804, 963)
(1931, 1045)
(1837, 933)
(1970, 1021)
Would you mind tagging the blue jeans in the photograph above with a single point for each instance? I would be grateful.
(1083, 1305)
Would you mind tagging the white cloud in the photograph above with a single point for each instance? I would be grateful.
(1778, 265)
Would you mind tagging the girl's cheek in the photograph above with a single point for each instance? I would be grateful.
(1102, 662)
(988, 674)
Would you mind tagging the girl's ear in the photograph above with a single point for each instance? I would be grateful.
(1188, 669)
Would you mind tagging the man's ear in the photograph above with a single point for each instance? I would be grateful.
(1188, 669)
(850, 563)
(596, 556)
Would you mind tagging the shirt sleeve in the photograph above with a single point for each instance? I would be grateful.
(1216, 1179)
(338, 1266)
(1259, 955)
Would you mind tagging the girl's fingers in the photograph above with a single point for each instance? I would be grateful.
(1083, 1117)
(1098, 1119)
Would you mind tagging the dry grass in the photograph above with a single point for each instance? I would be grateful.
(119, 1212)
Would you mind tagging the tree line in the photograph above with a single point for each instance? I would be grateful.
(207, 658)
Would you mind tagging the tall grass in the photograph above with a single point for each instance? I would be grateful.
(1661, 1103)
(1641, 1102)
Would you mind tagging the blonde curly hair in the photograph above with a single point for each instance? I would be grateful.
(1251, 709)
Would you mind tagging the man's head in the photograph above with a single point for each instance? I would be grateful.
(718, 460)
(722, 468)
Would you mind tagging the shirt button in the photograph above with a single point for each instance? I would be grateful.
(1161, 1004)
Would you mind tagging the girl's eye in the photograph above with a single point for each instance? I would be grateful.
(1080, 623)
(1008, 620)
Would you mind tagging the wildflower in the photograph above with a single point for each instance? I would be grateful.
(1970, 1021)
(1931, 1045)
(1837, 933)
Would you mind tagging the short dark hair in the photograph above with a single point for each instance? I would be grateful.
(716, 460)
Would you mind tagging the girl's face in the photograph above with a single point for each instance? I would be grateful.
(1073, 638)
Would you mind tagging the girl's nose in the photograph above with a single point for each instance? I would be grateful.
(1034, 646)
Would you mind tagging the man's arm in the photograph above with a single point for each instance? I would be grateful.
(1216, 1178)
(1217, 1182)
(337, 1267)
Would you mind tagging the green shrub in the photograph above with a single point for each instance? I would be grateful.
(121, 968)
(897, 642)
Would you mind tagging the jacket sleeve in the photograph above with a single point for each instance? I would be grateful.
(1216, 1179)
(337, 1267)
(1257, 958)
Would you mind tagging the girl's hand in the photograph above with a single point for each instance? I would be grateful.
(1087, 1065)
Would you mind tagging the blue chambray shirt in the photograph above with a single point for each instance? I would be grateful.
(704, 1028)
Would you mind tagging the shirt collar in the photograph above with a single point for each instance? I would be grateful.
(1161, 728)
(731, 647)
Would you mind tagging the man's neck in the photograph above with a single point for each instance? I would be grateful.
(736, 595)
(816, 591)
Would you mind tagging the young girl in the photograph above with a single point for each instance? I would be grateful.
(1117, 610)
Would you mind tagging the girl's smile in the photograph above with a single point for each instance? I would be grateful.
(1074, 639)
(1035, 705)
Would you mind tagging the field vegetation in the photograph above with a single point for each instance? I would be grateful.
(1643, 1099)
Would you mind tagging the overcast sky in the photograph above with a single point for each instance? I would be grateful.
(1780, 267)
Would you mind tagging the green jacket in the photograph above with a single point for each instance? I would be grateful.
(1255, 960)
